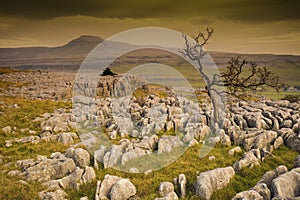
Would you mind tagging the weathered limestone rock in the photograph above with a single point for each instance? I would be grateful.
(56, 195)
(250, 159)
(114, 188)
(234, 150)
(260, 140)
(73, 180)
(167, 143)
(166, 191)
(105, 186)
(7, 129)
(65, 138)
(122, 189)
(182, 184)
(99, 155)
(112, 157)
(80, 156)
(286, 186)
(88, 175)
(48, 169)
(208, 182)
(278, 142)
(248, 195)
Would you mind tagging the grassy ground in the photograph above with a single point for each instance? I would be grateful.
(247, 178)
(22, 118)
(288, 73)
(190, 164)
(147, 185)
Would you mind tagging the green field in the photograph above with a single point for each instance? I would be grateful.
(288, 73)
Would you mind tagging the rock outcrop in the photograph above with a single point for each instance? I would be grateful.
(58, 172)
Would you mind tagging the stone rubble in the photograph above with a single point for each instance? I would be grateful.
(58, 172)
(137, 126)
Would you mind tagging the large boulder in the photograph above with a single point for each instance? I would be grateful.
(112, 157)
(73, 180)
(104, 187)
(286, 186)
(122, 189)
(293, 142)
(210, 181)
(80, 156)
(114, 188)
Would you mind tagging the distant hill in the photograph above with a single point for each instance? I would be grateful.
(70, 56)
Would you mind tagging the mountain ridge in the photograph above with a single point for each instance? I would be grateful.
(70, 55)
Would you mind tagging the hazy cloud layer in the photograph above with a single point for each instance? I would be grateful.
(242, 10)
(269, 26)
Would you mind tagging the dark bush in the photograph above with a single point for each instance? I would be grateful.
(292, 98)
(108, 72)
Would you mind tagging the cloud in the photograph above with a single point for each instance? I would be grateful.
(279, 37)
(240, 10)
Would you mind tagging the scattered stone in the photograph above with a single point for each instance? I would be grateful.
(148, 172)
(166, 191)
(211, 158)
(181, 181)
(134, 170)
(6, 129)
(234, 150)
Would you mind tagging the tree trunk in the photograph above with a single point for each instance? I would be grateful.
(217, 116)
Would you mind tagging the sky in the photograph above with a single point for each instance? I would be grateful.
(241, 26)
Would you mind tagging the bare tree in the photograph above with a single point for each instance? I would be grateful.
(242, 77)
(238, 78)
